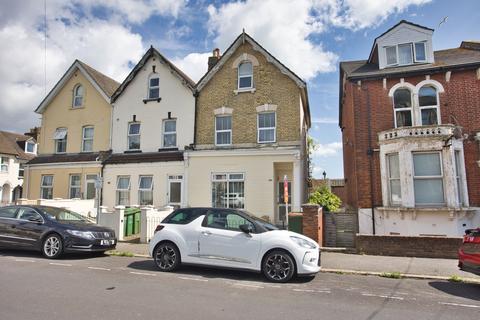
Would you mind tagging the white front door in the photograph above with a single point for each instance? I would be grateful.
(174, 191)
(223, 243)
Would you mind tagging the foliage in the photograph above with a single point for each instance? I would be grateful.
(455, 278)
(120, 253)
(391, 275)
(324, 197)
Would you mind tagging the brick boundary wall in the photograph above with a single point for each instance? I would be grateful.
(421, 247)
(313, 222)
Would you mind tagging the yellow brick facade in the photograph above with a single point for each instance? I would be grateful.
(271, 87)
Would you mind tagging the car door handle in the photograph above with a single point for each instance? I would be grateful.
(206, 233)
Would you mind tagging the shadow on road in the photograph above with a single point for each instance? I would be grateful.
(465, 290)
(38, 255)
(211, 273)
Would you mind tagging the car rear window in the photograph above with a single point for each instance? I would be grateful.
(184, 216)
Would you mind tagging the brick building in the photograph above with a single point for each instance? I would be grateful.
(410, 121)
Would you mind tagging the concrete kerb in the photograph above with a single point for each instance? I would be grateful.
(402, 275)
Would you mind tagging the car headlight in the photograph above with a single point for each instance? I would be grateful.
(81, 234)
(303, 243)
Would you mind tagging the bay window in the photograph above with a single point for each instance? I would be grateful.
(428, 178)
(458, 177)
(228, 190)
(394, 188)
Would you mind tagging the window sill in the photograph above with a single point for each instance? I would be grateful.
(251, 90)
(76, 108)
(149, 100)
(168, 149)
(133, 151)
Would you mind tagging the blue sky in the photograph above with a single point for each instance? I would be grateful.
(309, 36)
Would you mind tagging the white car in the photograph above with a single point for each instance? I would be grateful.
(233, 239)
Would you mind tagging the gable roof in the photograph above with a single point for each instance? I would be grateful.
(150, 53)
(391, 29)
(285, 70)
(104, 84)
(14, 144)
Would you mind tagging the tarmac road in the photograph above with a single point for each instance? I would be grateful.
(108, 287)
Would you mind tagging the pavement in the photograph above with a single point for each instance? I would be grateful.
(109, 287)
(348, 263)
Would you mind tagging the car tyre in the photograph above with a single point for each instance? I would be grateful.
(52, 246)
(278, 266)
(166, 256)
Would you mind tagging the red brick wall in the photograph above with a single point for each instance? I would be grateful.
(459, 105)
(313, 222)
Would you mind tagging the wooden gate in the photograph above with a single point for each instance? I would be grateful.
(340, 229)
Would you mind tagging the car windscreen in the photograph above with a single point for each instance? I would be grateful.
(267, 225)
(60, 214)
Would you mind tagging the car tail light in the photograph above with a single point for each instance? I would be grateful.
(158, 228)
(472, 236)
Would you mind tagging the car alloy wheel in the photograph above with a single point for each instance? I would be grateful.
(278, 266)
(52, 246)
(166, 257)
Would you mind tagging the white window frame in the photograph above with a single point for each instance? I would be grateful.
(34, 147)
(222, 131)
(228, 177)
(80, 96)
(436, 107)
(153, 76)
(396, 56)
(129, 135)
(459, 165)
(21, 169)
(172, 133)
(71, 186)
(411, 52)
(415, 51)
(403, 109)
(244, 76)
(440, 177)
(127, 190)
(141, 190)
(267, 128)
(43, 186)
(174, 179)
(59, 141)
(87, 139)
(4, 164)
(390, 179)
(87, 182)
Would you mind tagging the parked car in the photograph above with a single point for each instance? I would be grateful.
(234, 239)
(234, 200)
(469, 253)
(52, 230)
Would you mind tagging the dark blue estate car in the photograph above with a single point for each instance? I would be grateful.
(52, 230)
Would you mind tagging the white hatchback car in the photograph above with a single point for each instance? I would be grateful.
(233, 239)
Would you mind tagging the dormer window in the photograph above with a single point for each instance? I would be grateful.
(30, 147)
(154, 87)
(78, 96)
(420, 52)
(406, 53)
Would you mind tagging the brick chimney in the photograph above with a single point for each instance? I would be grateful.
(212, 61)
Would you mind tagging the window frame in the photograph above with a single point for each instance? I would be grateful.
(61, 141)
(170, 133)
(4, 164)
(141, 190)
(84, 139)
(390, 179)
(223, 130)
(21, 169)
(412, 60)
(436, 107)
(267, 128)
(127, 190)
(244, 76)
(27, 143)
(403, 109)
(71, 187)
(396, 56)
(76, 95)
(227, 179)
(415, 51)
(130, 135)
(43, 186)
(150, 87)
(441, 177)
(459, 167)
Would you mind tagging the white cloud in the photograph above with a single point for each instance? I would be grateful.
(194, 64)
(328, 149)
(325, 120)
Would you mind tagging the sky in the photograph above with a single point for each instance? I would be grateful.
(309, 36)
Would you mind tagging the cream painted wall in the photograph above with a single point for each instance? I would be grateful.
(96, 111)
(159, 170)
(175, 98)
(61, 178)
(261, 178)
(10, 177)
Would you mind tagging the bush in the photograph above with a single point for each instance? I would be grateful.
(326, 198)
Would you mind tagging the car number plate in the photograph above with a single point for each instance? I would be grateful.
(107, 242)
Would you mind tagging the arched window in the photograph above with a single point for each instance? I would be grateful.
(245, 75)
(154, 87)
(402, 103)
(78, 96)
(428, 103)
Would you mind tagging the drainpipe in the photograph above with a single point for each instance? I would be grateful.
(370, 156)
(195, 94)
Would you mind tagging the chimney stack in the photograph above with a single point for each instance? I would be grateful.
(212, 61)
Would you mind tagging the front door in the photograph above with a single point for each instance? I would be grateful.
(223, 243)
(174, 195)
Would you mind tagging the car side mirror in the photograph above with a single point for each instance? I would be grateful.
(247, 228)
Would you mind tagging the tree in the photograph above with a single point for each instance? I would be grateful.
(324, 197)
